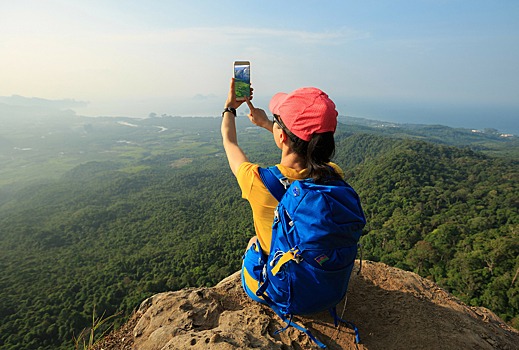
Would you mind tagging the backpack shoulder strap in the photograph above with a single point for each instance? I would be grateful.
(274, 181)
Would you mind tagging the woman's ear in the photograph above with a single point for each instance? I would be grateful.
(283, 137)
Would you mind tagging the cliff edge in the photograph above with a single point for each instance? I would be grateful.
(392, 308)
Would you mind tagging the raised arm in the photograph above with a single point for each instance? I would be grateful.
(234, 153)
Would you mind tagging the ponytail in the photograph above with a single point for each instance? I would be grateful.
(317, 153)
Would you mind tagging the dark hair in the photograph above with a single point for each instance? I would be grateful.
(317, 153)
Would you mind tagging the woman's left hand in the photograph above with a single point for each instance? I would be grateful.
(231, 98)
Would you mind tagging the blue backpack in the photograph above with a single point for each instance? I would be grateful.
(313, 248)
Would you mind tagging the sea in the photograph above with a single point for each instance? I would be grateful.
(503, 118)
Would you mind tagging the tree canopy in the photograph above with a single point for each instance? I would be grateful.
(166, 213)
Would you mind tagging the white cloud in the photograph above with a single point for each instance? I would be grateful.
(221, 35)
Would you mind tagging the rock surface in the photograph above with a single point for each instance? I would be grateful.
(392, 308)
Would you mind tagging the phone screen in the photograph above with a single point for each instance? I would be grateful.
(242, 79)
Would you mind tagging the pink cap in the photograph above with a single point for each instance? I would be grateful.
(305, 111)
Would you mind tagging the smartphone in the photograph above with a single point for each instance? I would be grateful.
(242, 79)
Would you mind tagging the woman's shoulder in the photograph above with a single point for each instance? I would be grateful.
(337, 169)
(247, 169)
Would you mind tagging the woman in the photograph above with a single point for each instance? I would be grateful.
(303, 126)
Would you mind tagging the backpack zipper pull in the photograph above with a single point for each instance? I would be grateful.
(291, 222)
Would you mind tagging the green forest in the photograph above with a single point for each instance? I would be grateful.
(105, 212)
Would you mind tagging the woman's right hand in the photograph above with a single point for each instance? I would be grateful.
(258, 116)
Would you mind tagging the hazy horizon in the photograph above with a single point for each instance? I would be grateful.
(176, 58)
(114, 50)
(502, 117)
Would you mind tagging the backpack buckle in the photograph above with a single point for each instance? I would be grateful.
(284, 181)
(297, 255)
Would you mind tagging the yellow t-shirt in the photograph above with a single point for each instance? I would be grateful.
(260, 199)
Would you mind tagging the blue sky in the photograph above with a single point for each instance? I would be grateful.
(136, 57)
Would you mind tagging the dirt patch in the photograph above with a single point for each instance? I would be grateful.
(180, 162)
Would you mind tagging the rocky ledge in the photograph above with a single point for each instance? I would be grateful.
(392, 308)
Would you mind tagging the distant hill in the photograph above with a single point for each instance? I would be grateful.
(488, 141)
(17, 100)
